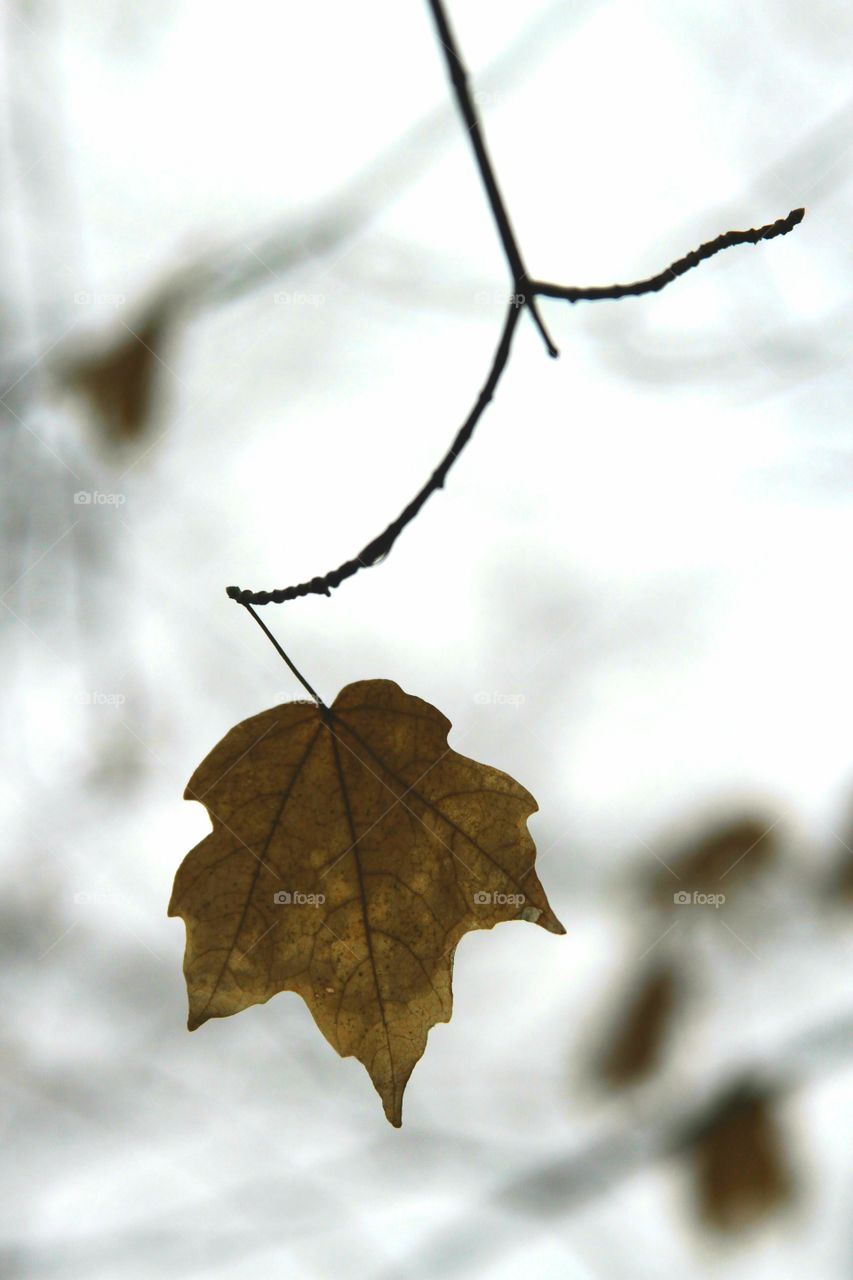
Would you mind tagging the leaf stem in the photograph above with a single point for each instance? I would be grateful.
(299, 676)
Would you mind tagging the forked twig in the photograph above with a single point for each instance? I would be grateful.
(524, 292)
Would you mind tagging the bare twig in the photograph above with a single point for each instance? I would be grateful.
(459, 80)
(379, 547)
(594, 293)
(524, 295)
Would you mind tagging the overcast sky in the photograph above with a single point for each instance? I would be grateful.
(632, 595)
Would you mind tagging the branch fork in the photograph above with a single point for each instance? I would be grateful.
(525, 293)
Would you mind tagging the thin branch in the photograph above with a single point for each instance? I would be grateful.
(379, 547)
(653, 284)
(468, 111)
(229, 272)
(525, 291)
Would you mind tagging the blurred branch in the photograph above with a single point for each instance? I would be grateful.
(229, 271)
(379, 548)
(669, 1128)
(523, 297)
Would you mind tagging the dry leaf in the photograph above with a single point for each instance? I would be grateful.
(350, 852)
(739, 1160)
(637, 1041)
(720, 859)
(120, 381)
(840, 884)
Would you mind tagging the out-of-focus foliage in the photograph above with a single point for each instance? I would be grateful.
(639, 1034)
(120, 382)
(740, 1167)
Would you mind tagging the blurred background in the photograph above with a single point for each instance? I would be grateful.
(249, 289)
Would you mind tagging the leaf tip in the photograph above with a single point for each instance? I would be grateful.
(547, 920)
(393, 1108)
(391, 1093)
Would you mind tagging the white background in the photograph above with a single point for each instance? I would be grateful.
(647, 540)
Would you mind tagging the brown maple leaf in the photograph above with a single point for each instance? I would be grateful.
(351, 850)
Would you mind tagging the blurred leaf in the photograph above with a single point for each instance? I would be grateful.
(841, 875)
(120, 382)
(719, 859)
(842, 881)
(637, 1040)
(739, 1160)
(351, 850)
